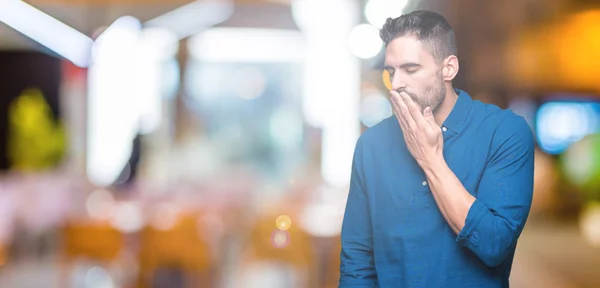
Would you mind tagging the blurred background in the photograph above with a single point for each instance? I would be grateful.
(155, 143)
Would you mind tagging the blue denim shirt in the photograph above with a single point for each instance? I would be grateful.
(394, 235)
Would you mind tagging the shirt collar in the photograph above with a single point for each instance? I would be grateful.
(457, 119)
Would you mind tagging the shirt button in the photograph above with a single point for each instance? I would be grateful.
(424, 183)
(444, 129)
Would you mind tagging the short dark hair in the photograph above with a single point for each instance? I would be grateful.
(429, 27)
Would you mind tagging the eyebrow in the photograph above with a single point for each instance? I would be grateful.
(403, 66)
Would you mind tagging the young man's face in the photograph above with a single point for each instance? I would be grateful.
(413, 69)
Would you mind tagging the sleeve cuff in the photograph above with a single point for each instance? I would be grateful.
(476, 213)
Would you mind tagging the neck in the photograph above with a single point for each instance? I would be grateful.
(446, 107)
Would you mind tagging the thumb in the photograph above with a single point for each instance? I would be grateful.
(428, 114)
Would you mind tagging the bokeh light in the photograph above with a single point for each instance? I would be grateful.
(386, 79)
(98, 277)
(283, 222)
(377, 11)
(559, 124)
(364, 41)
(321, 220)
(128, 217)
(581, 165)
(165, 216)
(589, 223)
(280, 239)
(373, 108)
(100, 204)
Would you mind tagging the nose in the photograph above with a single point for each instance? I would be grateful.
(398, 82)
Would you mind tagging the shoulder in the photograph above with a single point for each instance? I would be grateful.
(509, 130)
(380, 133)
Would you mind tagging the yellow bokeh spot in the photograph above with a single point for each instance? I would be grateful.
(283, 222)
(589, 221)
(36, 141)
(386, 80)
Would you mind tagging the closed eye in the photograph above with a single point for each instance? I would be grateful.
(410, 68)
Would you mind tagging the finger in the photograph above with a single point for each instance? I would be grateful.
(406, 132)
(428, 115)
(402, 114)
(404, 111)
(398, 113)
(414, 109)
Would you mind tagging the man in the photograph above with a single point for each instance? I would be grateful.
(440, 192)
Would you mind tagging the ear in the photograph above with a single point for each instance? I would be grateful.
(450, 68)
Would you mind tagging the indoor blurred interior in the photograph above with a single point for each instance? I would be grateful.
(178, 143)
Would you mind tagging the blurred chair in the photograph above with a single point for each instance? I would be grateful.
(178, 248)
(90, 240)
(292, 248)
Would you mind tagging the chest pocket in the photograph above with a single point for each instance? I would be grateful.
(409, 196)
(410, 191)
(414, 207)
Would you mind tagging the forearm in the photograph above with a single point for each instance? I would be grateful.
(444, 214)
(489, 235)
(453, 200)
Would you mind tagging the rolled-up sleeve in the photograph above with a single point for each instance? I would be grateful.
(357, 268)
(503, 198)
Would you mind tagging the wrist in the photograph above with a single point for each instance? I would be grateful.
(434, 164)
